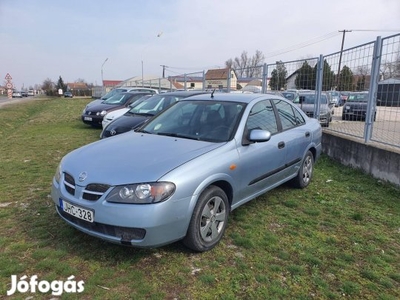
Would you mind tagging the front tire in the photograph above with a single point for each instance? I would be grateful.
(209, 220)
(305, 173)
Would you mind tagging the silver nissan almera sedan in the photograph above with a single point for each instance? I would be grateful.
(188, 168)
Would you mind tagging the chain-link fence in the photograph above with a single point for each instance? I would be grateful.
(361, 84)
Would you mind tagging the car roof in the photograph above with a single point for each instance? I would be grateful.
(233, 97)
(184, 93)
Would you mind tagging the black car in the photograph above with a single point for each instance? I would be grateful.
(68, 95)
(142, 112)
(93, 114)
(356, 106)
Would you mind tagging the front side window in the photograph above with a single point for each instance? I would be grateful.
(262, 116)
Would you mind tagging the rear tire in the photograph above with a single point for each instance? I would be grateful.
(306, 171)
(209, 220)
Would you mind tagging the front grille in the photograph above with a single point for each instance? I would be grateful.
(94, 191)
(69, 183)
(126, 234)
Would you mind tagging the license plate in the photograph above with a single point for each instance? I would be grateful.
(87, 118)
(77, 211)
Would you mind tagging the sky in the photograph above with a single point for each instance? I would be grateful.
(46, 39)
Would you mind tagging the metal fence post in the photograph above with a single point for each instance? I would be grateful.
(318, 85)
(264, 78)
(373, 88)
(228, 82)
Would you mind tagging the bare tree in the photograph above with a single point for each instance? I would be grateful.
(246, 66)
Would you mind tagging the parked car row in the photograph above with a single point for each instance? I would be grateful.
(141, 112)
(189, 166)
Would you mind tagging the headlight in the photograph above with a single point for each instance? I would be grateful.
(142, 193)
(323, 112)
(102, 113)
(57, 176)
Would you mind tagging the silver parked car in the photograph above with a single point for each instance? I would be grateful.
(187, 169)
(307, 101)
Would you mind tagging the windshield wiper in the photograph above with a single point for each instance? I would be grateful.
(173, 134)
(143, 131)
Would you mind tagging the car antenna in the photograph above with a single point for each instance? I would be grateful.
(212, 93)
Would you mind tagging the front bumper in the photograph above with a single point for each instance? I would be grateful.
(93, 120)
(145, 225)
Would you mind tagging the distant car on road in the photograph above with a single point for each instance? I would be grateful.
(68, 95)
(16, 94)
(24, 94)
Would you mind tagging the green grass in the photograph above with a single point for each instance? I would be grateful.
(338, 238)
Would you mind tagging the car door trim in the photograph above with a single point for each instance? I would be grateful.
(273, 172)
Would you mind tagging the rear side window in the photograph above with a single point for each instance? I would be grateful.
(288, 115)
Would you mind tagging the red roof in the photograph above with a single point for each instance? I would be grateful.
(111, 83)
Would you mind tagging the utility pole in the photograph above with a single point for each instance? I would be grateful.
(340, 57)
(163, 70)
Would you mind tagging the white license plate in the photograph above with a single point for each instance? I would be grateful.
(87, 118)
(77, 211)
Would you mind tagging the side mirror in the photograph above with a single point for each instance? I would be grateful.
(258, 135)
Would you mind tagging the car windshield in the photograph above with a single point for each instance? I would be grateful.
(358, 97)
(117, 99)
(138, 100)
(199, 120)
(310, 99)
(112, 93)
(154, 104)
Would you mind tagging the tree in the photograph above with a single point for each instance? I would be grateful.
(278, 77)
(246, 66)
(346, 79)
(361, 83)
(61, 85)
(328, 79)
(48, 86)
(305, 78)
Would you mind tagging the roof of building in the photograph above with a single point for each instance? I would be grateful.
(77, 86)
(111, 83)
(217, 74)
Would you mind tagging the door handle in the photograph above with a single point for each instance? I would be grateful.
(281, 145)
(307, 134)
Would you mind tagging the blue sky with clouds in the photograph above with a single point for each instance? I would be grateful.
(46, 39)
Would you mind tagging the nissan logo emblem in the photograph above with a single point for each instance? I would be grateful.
(82, 176)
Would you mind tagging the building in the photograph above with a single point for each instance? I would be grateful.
(218, 79)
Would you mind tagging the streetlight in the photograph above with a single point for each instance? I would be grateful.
(102, 83)
(158, 35)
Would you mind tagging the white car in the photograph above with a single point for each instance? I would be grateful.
(112, 115)
(108, 118)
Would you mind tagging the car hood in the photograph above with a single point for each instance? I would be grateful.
(128, 121)
(132, 157)
(357, 104)
(310, 107)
